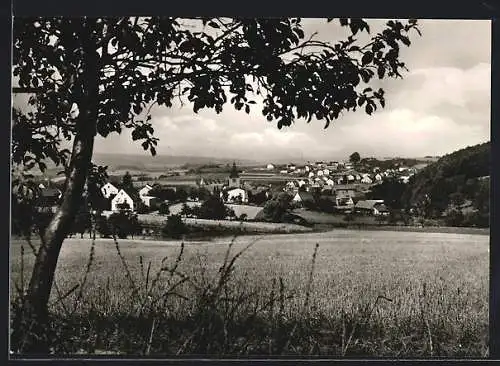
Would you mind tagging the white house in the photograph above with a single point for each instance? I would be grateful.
(404, 179)
(326, 171)
(378, 177)
(144, 191)
(234, 195)
(150, 200)
(307, 168)
(311, 174)
(320, 173)
(291, 185)
(283, 171)
(301, 182)
(366, 180)
(108, 190)
(270, 167)
(350, 178)
(330, 182)
(120, 198)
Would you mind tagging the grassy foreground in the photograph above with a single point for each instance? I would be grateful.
(359, 293)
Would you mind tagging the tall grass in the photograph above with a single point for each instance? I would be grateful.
(244, 301)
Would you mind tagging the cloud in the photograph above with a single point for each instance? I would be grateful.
(409, 133)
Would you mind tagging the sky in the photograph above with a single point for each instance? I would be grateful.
(441, 105)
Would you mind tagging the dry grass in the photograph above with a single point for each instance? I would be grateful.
(377, 293)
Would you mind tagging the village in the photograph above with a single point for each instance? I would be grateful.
(335, 188)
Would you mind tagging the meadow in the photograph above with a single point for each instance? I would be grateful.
(339, 293)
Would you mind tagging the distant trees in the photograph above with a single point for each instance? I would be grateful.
(174, 227)
(127, 183)
(453, 179)
(257, 198)
(214, 209)
(123, 224)
(391, 191)
(355, 158)
(276, 208)
(164, 209)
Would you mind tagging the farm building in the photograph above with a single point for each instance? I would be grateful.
(121, 198)
(366, 180)
(303, 197)
(372, 207)
(109, 190)
(236, 195)
(144, 191)
(150, 201)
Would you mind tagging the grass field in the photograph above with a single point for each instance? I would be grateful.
(370, 293)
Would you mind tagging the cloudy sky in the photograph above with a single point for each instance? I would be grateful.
(442, 104)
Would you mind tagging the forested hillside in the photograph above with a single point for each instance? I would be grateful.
(456, 185)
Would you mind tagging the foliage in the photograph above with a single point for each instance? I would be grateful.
(214, 209)
(454, 177)
(257, 198)
(82, 222)
(127, 183)
(103, 227)
(391, 191)
(164, 194)
(142, 208)
(195, 65)
(276, 208)
(355, 158)
(175, 227)
(123, 224)
(349, 217)
(164, 209)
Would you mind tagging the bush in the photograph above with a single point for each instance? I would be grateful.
(174, 228)
(163, 209)
(103, 227)
(455, 218)
(123, 224)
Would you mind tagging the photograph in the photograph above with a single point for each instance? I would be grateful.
(217, 187)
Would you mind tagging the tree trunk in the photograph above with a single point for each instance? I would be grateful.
(31, 324)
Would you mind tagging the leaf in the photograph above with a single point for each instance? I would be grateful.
(247, 109)
(405, 40)
(367, 58)
(369, 109)
(343, 21)
(381, 71)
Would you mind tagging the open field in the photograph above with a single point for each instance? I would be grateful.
(261, 227)
(435, 289)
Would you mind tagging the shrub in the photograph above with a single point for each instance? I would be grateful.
(175, 227)
(103, 227)
(124, 224)
(163, 209)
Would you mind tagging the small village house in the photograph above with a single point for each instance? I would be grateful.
(372, 207)
(122, 197)
(109, 190)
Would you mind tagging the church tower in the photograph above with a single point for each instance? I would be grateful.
(234, 178)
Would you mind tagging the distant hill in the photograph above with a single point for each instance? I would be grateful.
(455, 180)
(150, 163)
